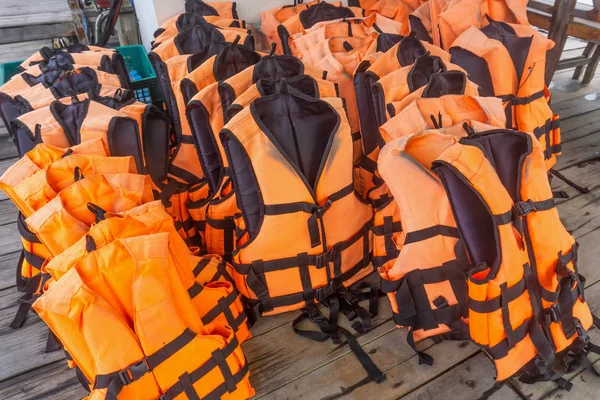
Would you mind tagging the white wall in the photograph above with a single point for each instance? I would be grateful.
(152, 13)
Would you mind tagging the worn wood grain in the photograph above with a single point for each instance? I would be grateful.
(10, 240)
(8, 212)
(341, 379)
(584, 174)
(4, 165)
(20, 51)
(7, 147)
(18, 34)
(54, 381)
(578, 151)
(274, 365)
(473, 379)
(8, 265)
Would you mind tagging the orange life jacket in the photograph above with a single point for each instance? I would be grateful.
(402, 54)
(428, 76)
(215, 301)
(223, 9)
(173, 26)
(216, 62)
(426, 284)
(527, 302)
(508, 61)
(307, 207)
(430, 113)
(192, 39)
(272, 18)
(111, 63)
(206, 113)
(308, 18)
(222, 207)
(27, 92)
(32, 182)
(397, 10)
(64, 126)
(46, 53)
(157, 345)
(70, 83)
(70, 214)
(352, 27)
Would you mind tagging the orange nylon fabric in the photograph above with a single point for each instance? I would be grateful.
(108, 287)
(68, 212)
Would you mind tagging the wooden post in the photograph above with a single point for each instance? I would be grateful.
(127, 29)
(77, 14)
(562, 16)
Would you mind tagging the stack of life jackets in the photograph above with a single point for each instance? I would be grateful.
(205, 44)
(464, 179)
(98, 221)
(64, 97)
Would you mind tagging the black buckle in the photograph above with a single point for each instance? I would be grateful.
(321, 210)
(554, 313)
(327, 257)
(324, 292)
(134, 372)
(525, 207)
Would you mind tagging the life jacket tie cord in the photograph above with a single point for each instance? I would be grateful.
(345, 300)
(580, 189)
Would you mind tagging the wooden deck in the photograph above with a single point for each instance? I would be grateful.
(286, 366)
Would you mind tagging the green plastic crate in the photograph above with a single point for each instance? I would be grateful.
(136, 58)
(8, 70)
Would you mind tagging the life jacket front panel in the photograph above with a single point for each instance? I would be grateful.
(69, 213)
(426, 113)
(425, 284)
(328, 180)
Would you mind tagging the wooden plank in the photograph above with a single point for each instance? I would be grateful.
(473, 379)
(578, 151)
(21, 8)
(8, 212)
(4, 165)
(562, 12)
(344, 377)
(127, 29)
(54, 381)
(35, 18)
(10, 241)
(543, 389)
(576, 106)
(584, 175)
(7, 148)
(274, 365)
(26, 33)
(8, 265)
(20, 51)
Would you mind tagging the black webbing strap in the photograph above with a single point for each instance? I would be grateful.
(98, 212)
(168, 191)
(115, 381)
(52, 342)
(33, 259)
(315, 210)
(217, 360)
(195, 290)
(329, 329)
(224, 307)
(512, 101)
(32, 291)
(356, 136)
(507, 295)
(78, 174)
(24, 230)
(257, 282)
(525, 207)
(570, 289)
(407, 316)
(569, 182)
(227, 225)
(307, 287)
(427, 233)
